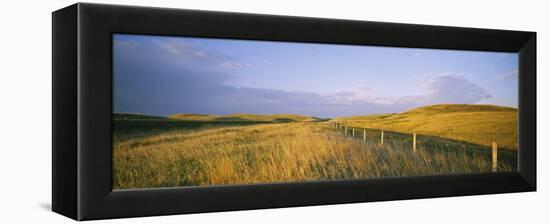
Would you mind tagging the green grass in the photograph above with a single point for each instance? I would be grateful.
(479, 124)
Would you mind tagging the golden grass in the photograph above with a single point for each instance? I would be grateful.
(243, 117)
(479, 124)
(200, 117)
(301, 151)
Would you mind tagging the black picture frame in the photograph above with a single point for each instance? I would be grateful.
(82, 44)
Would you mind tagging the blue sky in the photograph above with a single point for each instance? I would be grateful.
(163, 75)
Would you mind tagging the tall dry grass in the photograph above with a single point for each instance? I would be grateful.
(273, 153)
(479, 124)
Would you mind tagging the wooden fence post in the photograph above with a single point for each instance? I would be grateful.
(414, 141)
(353, 132)
(495, 151)
(382, 137)
(365, 135)
(346, 130)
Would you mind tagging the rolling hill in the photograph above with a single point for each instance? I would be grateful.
(135, 116)
(245, 117)
(131, 125)
(479, 124)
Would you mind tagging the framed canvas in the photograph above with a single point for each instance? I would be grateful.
(168, 111)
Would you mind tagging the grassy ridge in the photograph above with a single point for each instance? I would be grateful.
(299, 151)
(198, 149)
(130, 126)
(127, 125)
(244, 117)
(479, 124)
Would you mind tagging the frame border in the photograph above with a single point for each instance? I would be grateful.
(88, 29)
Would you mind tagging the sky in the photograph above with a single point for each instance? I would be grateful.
(163, 75)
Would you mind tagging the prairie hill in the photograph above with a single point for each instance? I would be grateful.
(479, 124)
(135, 116)
(245, 117)
(128, 125)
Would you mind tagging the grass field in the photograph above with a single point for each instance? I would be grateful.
(479, 124)
(198, 150)
(131, 126)
(245, 117)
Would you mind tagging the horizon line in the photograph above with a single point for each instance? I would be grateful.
(367, 114)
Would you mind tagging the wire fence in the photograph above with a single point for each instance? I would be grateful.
(427, 142)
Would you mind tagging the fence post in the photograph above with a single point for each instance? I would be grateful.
(346, 130)
(495, 151)
(382, 137)
(353, 132)
(414, 141)
(365, 135)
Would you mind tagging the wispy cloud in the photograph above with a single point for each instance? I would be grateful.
(429, 76)
(229, 64)
(186, 52)
(171, 76)
(173, 87)
(449, 88)
(443, 88)
(508, 75)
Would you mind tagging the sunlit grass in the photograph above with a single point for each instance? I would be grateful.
(244, 117)
(266, 153)
(479, 124)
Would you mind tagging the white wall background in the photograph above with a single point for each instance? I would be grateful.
(25, 99)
